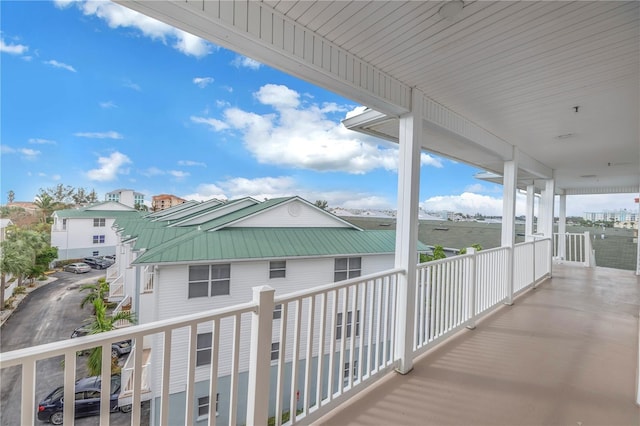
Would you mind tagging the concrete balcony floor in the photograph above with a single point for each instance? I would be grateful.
(565, 353)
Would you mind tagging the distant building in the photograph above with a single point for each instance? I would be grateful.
(621, 218)
(128, 197)
(164, 201)
(88, 231)
(4, 224)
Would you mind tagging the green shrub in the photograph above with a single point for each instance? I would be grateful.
(19, 290)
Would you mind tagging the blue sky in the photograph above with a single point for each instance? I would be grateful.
(97, 96)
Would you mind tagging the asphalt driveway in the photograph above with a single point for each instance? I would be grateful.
(49, 314)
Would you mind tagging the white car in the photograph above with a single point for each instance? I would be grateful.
(78, 268)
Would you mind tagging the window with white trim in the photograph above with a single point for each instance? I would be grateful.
(277, 311)
(348, 371)
(64, 224)
(98, 239)
(99, 222)
(203, 349)
(347, 267)
(275, 351)
(203, 406)
(277, 269)
(348, 324)
(209, 280)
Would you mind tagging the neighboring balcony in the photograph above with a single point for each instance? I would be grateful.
(566, 351)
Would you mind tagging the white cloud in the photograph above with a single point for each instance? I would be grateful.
(110, 167)
(152, 171)
(471, 203)
(13, 49)
(244, 62)
(299, 134)
(285, 186)
(29, 154)
(356, 111)
(217, 125)
(202, 82)
(117, 16)
(26, 153)
(178, 174)
(61, 65)
(191, 163)
(131, 85)
(56, 177)
(107, 104)
(39, 141)
(99, 135)
(577, 205)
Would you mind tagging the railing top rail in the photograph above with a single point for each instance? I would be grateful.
(335, 286)
(53, 349)
(444, 260)
(123, 302)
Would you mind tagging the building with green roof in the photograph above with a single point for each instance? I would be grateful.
(194, 259)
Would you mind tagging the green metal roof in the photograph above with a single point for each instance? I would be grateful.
(88, 214)
(268, 243)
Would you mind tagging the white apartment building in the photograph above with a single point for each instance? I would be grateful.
(128, 197)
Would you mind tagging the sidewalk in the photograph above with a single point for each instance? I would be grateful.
(18, 298)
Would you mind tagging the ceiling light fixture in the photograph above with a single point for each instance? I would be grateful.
(451, 9)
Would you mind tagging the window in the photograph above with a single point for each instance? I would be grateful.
(203, 349)
(95, 253)
(99, 222)
(277, 311)
(203, 406)
(277, 269)
(64, 224)
(93, 394)
(347, 371)
(209, 280)
(347, 267)
(275, 351)
(348, 324)
(98, 239)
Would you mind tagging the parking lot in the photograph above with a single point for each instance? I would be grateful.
(48, 314)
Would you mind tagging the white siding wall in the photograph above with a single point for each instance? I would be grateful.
(293, 215)
(78, 238)
(171, 296)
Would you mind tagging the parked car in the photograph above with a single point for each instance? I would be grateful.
(97, 262)
(87, 400)
(117, 349)
(110, 257)
(78, 268)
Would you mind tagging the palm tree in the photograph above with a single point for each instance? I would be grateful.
(97, 290)
(46, 204)
(104, 322)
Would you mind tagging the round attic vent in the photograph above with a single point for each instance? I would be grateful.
(294, 209)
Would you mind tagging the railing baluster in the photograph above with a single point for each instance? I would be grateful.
(166, 376)
(233, 400)
(309, 354)
(69, 390)
(293, 405)
(281, 363)
(213, 374)
(321, 346)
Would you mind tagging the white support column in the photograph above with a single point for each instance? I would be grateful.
(260, 356)
(562, 227)
(547, 226)
(529, 214)
(508, 216)
(406, 256)
(471, 323)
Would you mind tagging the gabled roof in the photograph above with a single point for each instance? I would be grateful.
(172, 209)
(107, 209)
(271, 243)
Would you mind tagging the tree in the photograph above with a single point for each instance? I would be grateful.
(14, 260)
(104, 322)
(47, 205)
(11, 196)
(438, 253)
(323, 204)
(141, 207)
(61, 194)
(80, 196)
(97, 290)
(92, 197)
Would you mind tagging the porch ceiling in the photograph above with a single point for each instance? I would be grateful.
(515, 69)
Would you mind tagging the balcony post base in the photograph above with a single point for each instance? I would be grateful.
(399, 371)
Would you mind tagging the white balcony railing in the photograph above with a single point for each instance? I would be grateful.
(324, 346)
(112, 272)
(573, 247)
(127, 379)
(116, 288)
(149, 277)
(123, 306)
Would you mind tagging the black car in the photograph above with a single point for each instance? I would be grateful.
(97, 262)
(87, 400)
(117, 349)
